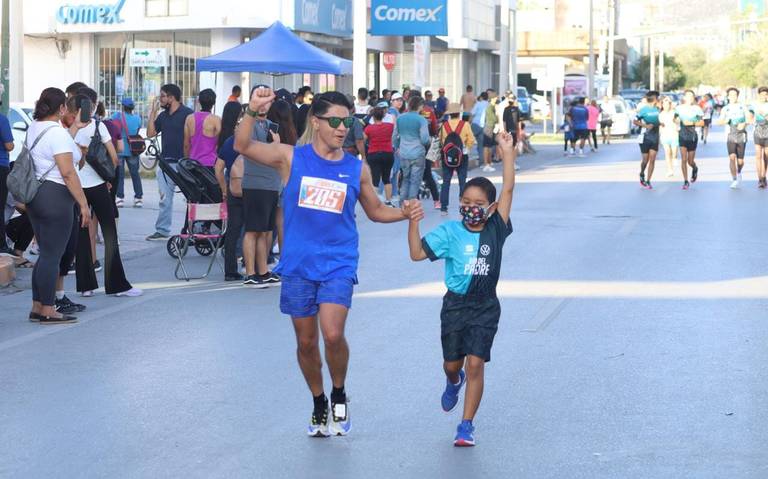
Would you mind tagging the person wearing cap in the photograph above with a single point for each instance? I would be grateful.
(129, 125)
(441, 105)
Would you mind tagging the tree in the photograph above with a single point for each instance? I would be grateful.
(674, 77)
(695, 64)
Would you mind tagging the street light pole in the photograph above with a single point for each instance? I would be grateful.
(611, 41)
(5, 56)
(591, 73)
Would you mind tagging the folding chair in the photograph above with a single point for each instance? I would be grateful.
(198, 214)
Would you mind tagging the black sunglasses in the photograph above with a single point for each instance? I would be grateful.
(335, 121)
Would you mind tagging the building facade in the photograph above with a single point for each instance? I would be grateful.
(129, 48)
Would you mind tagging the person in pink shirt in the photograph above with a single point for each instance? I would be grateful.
(201, 131)
(594, 115)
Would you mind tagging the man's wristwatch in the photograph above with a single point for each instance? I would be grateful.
(251, 113)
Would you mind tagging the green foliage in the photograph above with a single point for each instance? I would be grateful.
(674, 76)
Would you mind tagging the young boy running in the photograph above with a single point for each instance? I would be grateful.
(470, 314)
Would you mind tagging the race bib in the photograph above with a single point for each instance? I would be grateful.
(641, 137)
(321, 194)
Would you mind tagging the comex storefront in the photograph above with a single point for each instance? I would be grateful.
(129, 48)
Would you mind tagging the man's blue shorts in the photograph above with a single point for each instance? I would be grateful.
(300, 298)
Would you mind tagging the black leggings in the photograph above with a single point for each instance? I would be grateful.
(593, 138)
(103, 207)
(236, 219)
(430, 181)
(20, 231)
(381, 167)
(51, 215)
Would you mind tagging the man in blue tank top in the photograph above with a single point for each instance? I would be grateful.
(318, 262)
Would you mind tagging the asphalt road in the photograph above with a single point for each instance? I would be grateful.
(632, 344)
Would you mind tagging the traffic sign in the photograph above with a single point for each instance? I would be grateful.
(148, 57)
(389, 59)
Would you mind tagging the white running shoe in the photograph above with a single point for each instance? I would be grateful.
(340, 422)
(738, 177)
(131, 293)
(318, 426)
(735, 184)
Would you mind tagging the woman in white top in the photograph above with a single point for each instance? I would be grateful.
(100, 200)
(51, 211)
(669, 131)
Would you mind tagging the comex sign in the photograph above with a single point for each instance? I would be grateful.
(400, 17)
(332, 17)
(81, 14)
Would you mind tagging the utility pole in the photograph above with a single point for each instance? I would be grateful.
(611, 42)
(661, 68)
(591, 73)
(504, 63)
(513, 47)
(651, 64)
(5, 55)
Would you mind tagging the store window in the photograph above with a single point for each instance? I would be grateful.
(117, 79)
(166, 8)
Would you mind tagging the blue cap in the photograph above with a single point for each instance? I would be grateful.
(382, 104)
(128, 101)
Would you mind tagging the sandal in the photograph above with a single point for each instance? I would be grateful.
(24, 263)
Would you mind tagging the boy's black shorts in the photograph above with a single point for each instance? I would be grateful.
(468, 324)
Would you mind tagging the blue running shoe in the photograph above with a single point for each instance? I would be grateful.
(318, 424)
(340, 423)
(465, 434)
(451, 394)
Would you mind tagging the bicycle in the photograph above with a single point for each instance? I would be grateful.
(151, 156)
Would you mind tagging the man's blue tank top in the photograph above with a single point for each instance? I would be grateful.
(321, 240)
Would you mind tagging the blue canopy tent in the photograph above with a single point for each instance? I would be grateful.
(276, 51)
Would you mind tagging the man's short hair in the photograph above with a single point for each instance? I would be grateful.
(237, 90)
(652, 95)
(74, 87)
(733, 88)
(362, 93)
(469, 87)
(304, 90)
(415, 102)
(172, 90)
(762, 89)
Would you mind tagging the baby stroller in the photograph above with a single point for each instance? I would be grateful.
(206, 219)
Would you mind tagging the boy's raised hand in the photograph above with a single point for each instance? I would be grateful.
(505, 141)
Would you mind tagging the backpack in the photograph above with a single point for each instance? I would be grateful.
(452, 152)
(22, 180)
(135, 142)
(98, 157)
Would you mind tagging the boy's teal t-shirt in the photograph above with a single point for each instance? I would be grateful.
(472, 259)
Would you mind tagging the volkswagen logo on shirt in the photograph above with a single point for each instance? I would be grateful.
(485, 250)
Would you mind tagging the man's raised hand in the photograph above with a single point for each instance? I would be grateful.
(261, 99)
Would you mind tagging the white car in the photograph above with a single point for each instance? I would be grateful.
(20, 117)
(620, 115)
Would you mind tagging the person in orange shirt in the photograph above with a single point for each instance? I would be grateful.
(462, 128)
(236, 92)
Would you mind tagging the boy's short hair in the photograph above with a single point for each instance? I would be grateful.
(652, 95)
(484, 184)
(733, 88)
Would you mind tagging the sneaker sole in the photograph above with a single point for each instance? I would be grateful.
(58, 322)
(256, 286)
(337, 431)
(463, 443)
(319, 433)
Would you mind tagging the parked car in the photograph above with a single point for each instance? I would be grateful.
(634, 94)
(675, 97)
(20, 117)
(524, 100)
(618, 108)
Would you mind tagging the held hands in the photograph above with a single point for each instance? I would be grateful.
(261, 98)
(413, 210)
